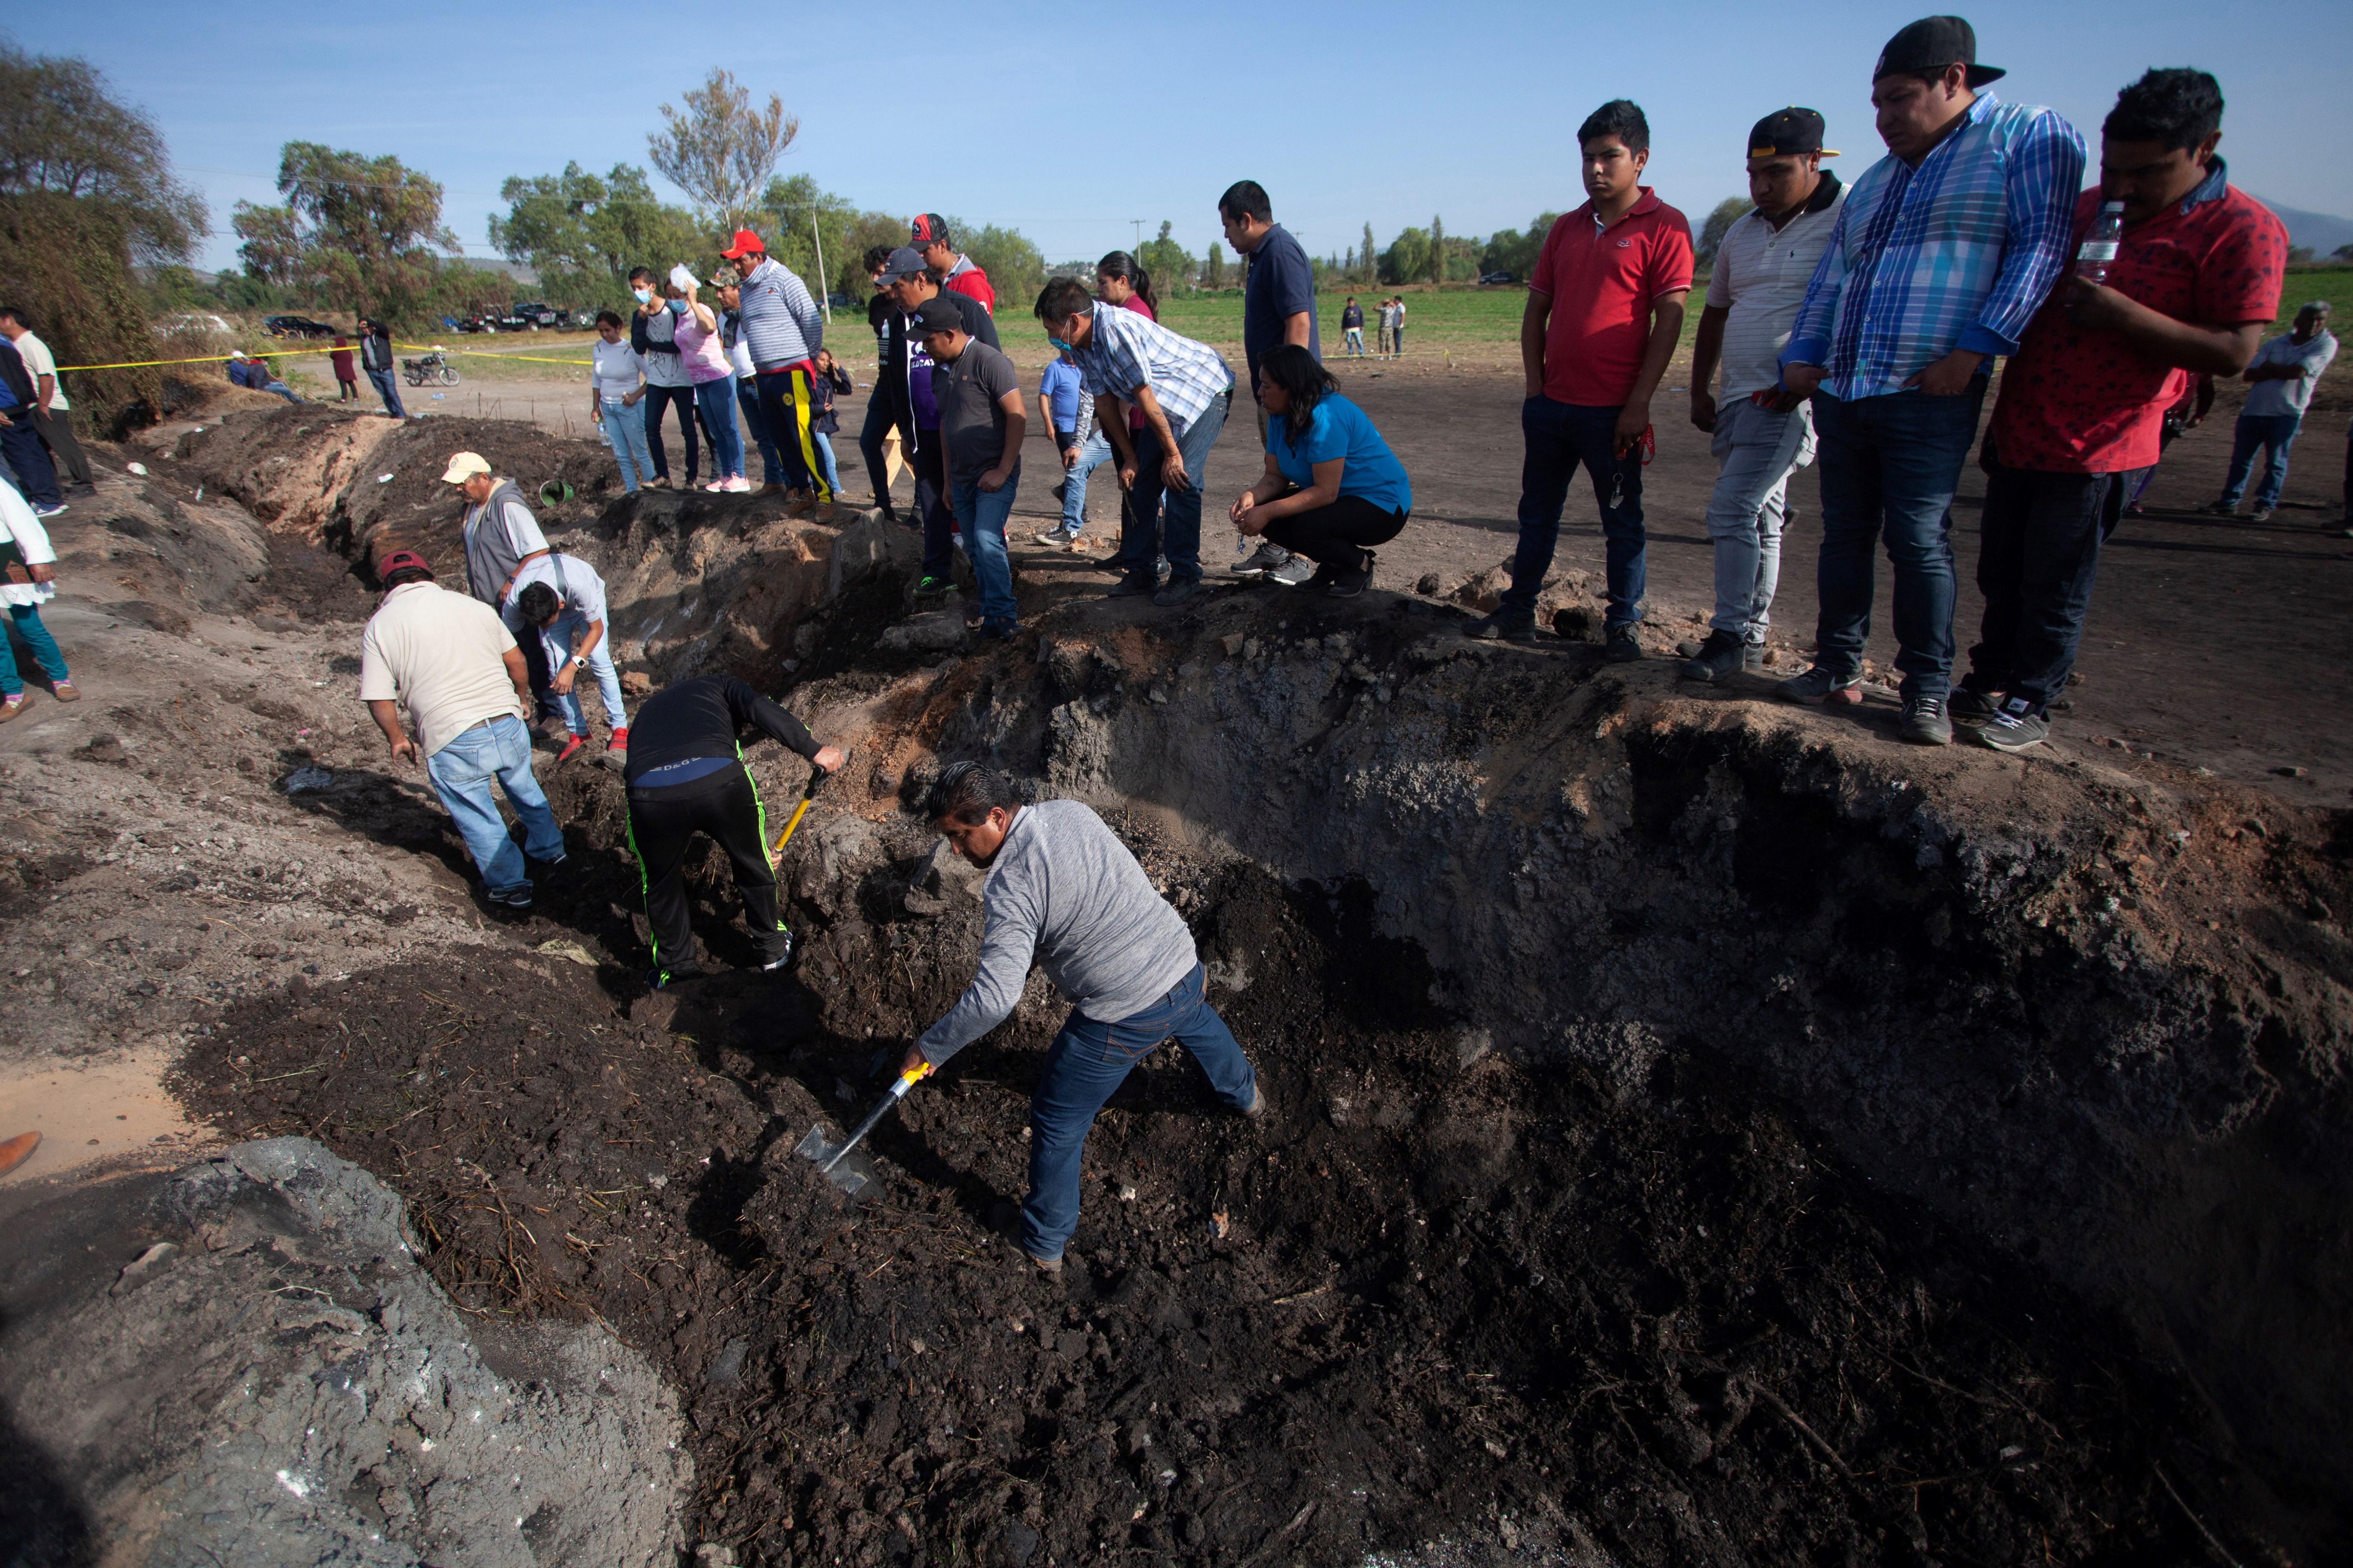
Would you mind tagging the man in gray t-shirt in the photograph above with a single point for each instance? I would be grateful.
(1063, 889)
(978, 393)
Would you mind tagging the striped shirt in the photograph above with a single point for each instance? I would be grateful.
(1955, 254)
(780, 320)
(1127, 351)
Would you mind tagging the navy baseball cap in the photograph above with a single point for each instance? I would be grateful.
(905, 262)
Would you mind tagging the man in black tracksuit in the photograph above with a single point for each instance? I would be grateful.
(686, 774)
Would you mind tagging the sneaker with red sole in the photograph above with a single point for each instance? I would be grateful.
(572, 744)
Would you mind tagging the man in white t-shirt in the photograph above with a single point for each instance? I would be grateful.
(2284, 372)
(1762, 433)
(52, 415)
(451, 662)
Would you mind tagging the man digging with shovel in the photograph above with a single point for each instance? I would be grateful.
(1062, 885)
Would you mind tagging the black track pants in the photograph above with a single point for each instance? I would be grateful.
(726, 805)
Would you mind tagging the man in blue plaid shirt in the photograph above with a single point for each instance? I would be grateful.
(1183, 389)
(1945, 249)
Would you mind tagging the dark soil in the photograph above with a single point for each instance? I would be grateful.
(1434, 1295)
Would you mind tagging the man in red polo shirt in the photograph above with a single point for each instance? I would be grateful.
(1605, 307)
(2195, 282)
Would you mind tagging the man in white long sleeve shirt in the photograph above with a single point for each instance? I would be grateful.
(1061, 885)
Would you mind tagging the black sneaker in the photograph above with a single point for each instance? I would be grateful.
(1505, 626)
(517, 897)
(1620, 647)
(1347, 584)
(776, 950)
(931, 587)
(1319, 580)
(1720, 658)
(1926, 723)
(1179, 590)
(1968, 705)
(663, 975)
(2015, 728)
(1136, 584)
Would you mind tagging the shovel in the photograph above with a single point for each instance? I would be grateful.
(817, 777)
(854, 1175)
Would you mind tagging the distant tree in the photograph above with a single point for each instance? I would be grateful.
(1170, 263)
(1720, 219)
(1436, 250)
(1406, 259)
(720, 149)
(1213, 267)
(65, 135)
(358, 231)
(2342, 252)
(2298, 253)
(1367, 259)
(1016, 266)
(581, 233)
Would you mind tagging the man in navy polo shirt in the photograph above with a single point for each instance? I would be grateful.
(1278, 308)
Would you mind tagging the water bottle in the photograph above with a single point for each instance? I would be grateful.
(2098, 250)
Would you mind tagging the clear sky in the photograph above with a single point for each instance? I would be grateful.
(1068, 120)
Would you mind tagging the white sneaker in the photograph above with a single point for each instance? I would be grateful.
(1269, 556)
(1294, 569)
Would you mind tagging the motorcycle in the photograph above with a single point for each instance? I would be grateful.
(429, 370)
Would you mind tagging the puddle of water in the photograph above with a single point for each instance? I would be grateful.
(84, 1114)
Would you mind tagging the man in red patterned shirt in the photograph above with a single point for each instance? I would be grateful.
(2194, 284)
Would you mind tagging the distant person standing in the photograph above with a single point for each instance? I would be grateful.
(785, 328)
(958, 273)
(1397, 326)
(1763, 435)
(347, 385)
(907, 379)
(1605, 309)
(1386, 334)
(831, 381)
(978, 393)
(20, 438)
(1946, 247)
(2194, 280)
(1184, 391)
(52, 417)
(2285, 370)
(1352, 327)
(1065, 409)
(27, 581)
(653, 333)
(1278, 308)
(617, 384)
(451, 662)
(747, 385)
(376, 359)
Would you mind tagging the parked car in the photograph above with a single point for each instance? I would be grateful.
(841, 302)
(296, 327)
(1497, 278)
(532, 315)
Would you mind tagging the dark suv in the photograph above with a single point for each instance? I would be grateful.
(296, 327)
(535, 315)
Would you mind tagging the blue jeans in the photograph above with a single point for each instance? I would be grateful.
(390, 390)
(825, 460)
(1890, 465)
(772, 463)
(1159, 521)
(980, 515)
(1084, 1068)
(461, 773)
(36, 476)
(36, 636)
(558, 640)
(624, 432)
(2276, 433)
(715, 401)
(1558, 437)
(1092, 455)
(1355, 337)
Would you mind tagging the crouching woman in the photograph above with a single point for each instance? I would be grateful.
(1331, 489)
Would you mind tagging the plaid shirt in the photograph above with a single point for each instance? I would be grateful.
(1127, 351)
(1955, 254)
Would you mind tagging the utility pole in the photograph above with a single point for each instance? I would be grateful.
(823, 288)
(1139, 234)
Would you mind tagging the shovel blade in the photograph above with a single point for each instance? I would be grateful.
(854, 1175)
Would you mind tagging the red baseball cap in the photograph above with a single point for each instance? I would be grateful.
(401, 560)
(745, 243)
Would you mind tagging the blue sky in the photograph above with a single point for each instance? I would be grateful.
(1068, 120)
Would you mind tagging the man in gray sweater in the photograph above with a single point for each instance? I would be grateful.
(1061, 885)
(784, 329)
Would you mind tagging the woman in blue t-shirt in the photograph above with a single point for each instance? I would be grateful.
(1332, 487)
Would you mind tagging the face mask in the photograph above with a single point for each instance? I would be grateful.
(1060, 347)
(644, 296)
(677, 307)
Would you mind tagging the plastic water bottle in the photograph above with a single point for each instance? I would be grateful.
(2098, 250)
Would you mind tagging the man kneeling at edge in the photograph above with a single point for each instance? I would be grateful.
(686, 774)
(1062, 885)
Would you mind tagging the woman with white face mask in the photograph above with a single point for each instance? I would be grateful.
(653, 329)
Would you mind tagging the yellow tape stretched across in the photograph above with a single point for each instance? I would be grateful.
(297, 353)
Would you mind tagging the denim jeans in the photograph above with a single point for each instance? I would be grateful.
(558, 642)
(282, 390)
(625, 433)
(1354, 339)
(1084, 1068)
(756, 423)
(390, 390)
(1162, 522)
(1890, 465)
(46, 652)
(1758, 450)
(461, 773)
(715, 401)
(1558, 437)
(826, 464)
(1092, 454)
(37, 477)
(2274, 433)
(2038, 555)
(981, 515)
(655, 399)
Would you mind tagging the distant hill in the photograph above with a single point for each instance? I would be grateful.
(2321, 231)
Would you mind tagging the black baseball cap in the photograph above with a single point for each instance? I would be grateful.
(905, 262)
(928, 228)
(1931, 44)
(1787, 130)
(937, 315)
